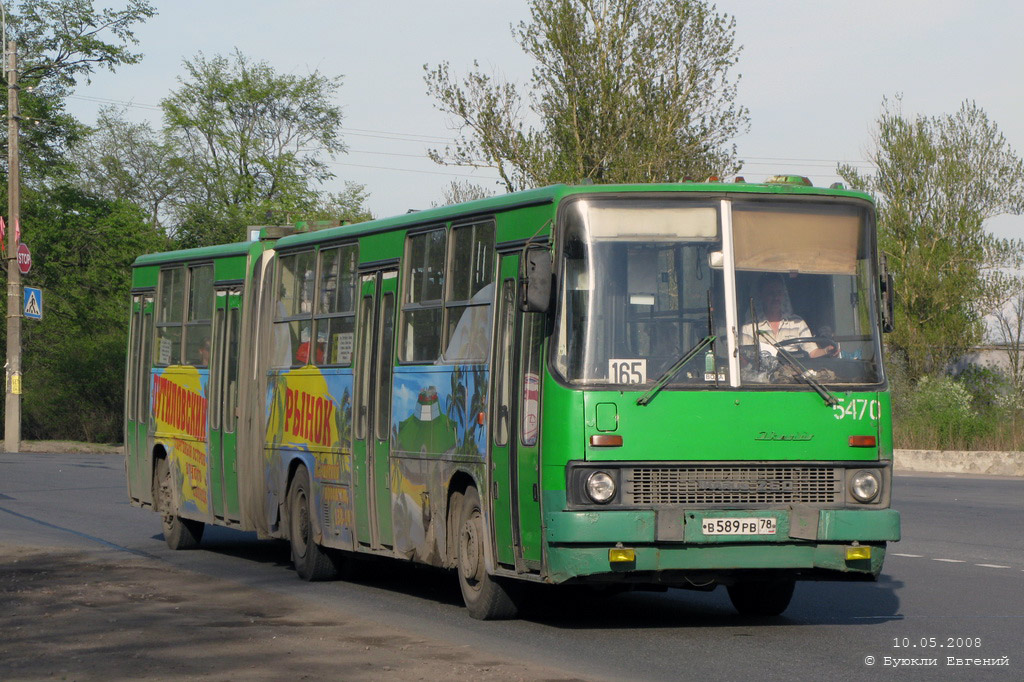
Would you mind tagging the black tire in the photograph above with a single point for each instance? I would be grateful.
(454, 519)
(311, 561)
(761, 598)
(179, 533)
(485, 597)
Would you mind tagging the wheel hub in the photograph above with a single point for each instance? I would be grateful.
(472, 565)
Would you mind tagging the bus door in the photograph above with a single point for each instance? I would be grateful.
(138, 399)
(371, 441)
(222, 403)
(515, 461)
(526, 455)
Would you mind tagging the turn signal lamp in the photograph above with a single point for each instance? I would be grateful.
(620, 555)
(605, 440)
(858, 553)
(862, 441)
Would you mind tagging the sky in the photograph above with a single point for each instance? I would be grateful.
(812, 74)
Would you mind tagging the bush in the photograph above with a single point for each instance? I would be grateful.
(977, 410)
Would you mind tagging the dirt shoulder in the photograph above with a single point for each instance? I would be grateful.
(70, 446)
(69, 615)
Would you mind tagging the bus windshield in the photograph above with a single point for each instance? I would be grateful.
(646, 282)
(638, 291)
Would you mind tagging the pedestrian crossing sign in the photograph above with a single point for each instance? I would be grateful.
(34, 303)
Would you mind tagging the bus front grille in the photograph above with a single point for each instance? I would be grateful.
(733, 485)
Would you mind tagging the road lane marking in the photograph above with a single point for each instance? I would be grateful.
(948, 561)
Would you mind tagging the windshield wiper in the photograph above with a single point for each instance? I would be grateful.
(802, 372)
(647, 397)
(673, 370)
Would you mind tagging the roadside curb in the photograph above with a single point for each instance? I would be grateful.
(992, 463)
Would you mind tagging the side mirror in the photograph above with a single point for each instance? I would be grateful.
(888, 296)
(535, 280)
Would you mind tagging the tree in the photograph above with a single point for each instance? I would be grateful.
(346, 206)
(252, 141)
(120, 160)
(458, 192)
(74, 357)
(938, 180)
(62, 42)
(1009, 331)
(82, 246)
(623, 91)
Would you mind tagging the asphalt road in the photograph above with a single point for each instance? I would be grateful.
(953, 588)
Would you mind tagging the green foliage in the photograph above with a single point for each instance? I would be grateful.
(975, 410)
(941, 412)
(73, 359)
(251, 141)
(458, 192)
(130, 161)
(82, 245)
(938, 180)
(62, 39)
(61, 42)
(988, 387)
(624, 91)
(241, 145)
(347, 206)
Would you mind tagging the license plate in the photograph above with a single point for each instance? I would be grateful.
(739, 526)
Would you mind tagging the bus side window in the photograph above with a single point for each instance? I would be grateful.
(529, 387)
(421, 319)
(198, 325)
(503, 362)
(170, 314)
(470, 293)
(293, 314)
(335, 312)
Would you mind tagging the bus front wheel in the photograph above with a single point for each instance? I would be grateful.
(311, 561)
(485, 597)
(761, 598)
(178, 532)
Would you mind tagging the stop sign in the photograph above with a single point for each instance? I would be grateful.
(24, 258)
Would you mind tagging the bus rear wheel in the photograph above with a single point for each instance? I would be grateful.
(179, 533)
(486, 598)
(761, 598)
(311, 561)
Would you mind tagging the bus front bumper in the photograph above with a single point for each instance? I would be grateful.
(806, 541)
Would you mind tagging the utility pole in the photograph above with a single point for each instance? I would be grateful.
(12, 406)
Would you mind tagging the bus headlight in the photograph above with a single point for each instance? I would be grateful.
(865, 486)
(600, 487)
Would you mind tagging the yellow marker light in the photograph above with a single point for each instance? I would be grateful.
(858, 553)
(862, 441)
(606, 441)
(621, 556)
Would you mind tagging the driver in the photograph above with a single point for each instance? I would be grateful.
(777, 322)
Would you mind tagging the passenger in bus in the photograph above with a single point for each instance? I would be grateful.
(204, 352)
(776, 322)
(302, 353)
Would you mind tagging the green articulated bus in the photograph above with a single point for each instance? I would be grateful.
(645, 386)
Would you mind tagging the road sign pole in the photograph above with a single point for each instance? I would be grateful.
(12, 405)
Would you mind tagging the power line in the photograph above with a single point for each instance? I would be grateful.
(411, 170)
(105, 100)
(398, 136)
